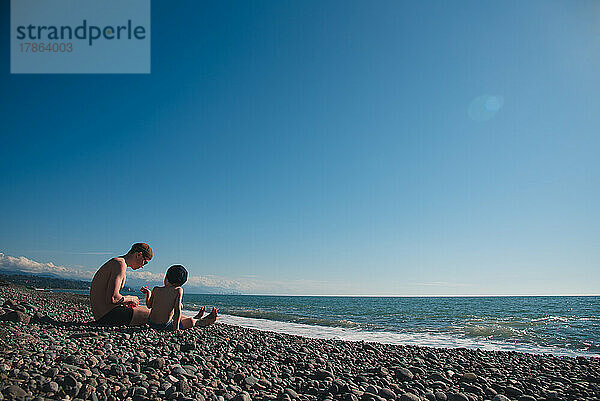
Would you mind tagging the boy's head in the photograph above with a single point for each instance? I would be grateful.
(177, 275)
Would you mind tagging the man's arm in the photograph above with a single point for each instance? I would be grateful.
(177, 309)
(113, 296)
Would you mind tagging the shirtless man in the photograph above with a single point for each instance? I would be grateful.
(109, 307)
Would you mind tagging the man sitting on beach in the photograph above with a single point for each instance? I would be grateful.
(109, 307)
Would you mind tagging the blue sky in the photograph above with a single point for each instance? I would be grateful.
(311, 147)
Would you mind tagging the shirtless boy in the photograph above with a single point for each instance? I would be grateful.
(109, 307)
(165, 304)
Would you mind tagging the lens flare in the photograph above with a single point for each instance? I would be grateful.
(485, 107)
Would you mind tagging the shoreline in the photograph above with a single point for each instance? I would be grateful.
(390, 338)
(223, 363)
(351, 332)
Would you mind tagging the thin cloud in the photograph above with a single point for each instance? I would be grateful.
(72, 252)
(440, 284)
(90, 253)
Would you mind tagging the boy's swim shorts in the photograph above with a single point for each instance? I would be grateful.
(162, 326)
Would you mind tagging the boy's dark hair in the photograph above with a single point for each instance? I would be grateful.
(177, 275)
(143, 248)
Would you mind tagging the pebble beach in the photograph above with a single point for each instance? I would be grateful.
(49, 352)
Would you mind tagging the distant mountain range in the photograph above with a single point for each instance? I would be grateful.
(49, 281)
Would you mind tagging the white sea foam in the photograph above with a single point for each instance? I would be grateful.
(386, 337)
(564, 319)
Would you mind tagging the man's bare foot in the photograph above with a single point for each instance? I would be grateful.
(201, 313)
(208, 319)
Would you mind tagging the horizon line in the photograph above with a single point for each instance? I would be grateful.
(234, 292)
(403, 296)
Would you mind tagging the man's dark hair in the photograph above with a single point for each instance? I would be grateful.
(177, 275)
(143, 248)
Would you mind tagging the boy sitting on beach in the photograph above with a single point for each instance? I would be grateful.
(165, 304)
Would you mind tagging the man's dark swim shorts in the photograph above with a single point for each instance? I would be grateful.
(118, 316)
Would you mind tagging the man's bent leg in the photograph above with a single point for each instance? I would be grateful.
(117, 316)
(140, 316)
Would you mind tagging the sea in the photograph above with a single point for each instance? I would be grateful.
(558, 325)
